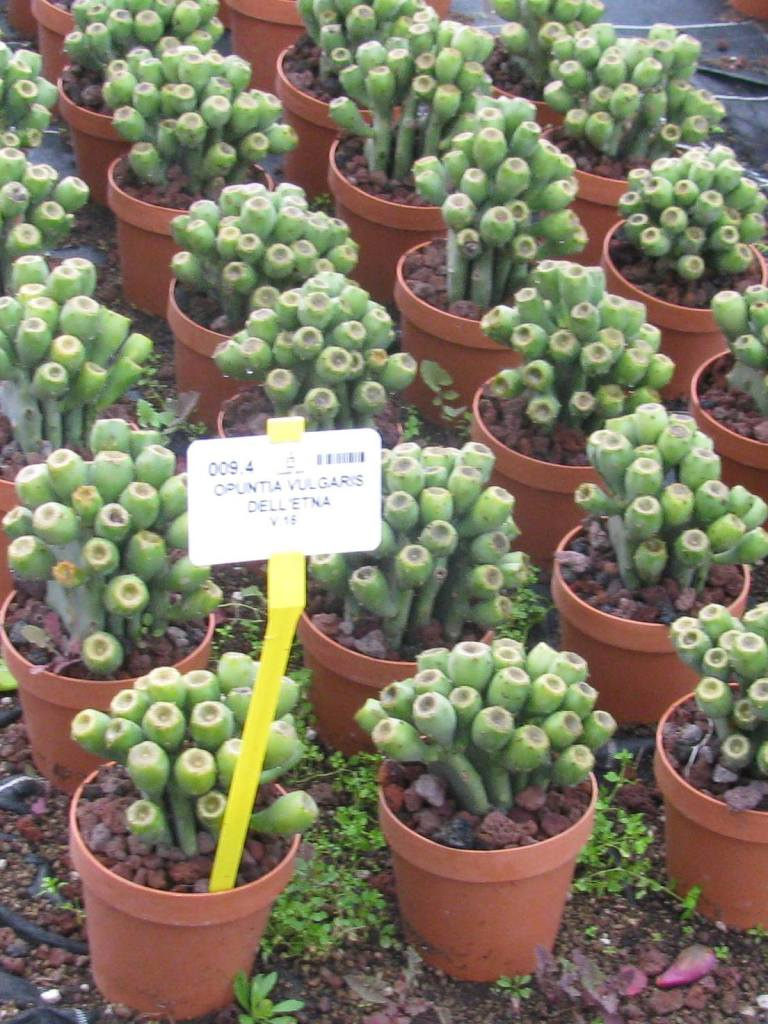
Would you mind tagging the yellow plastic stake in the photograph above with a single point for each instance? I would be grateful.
(286, 598)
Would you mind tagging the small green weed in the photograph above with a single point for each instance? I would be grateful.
(616, 858)
(518, 988)
(529, 608)
(51, 888)
(441, 384)
(253, 997)
(329, 901)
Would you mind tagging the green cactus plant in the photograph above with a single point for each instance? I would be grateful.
(338, 29)
(491, 720)
(445, 550)
(26, 98)
(731, 655)
(505, 193)
(64, 357)
(194, 112)
(321, 352)
(415, 86)
(630, 98)
(694, 214)
(586, 355)
(179, 737)
(108, 538)
(531, 27)
(107, 30)
(742, 319)
(36, 208)
(669, 515)
(250, 244)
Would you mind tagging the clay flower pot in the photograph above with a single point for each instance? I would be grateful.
(597, 207)
(20, 18)
(224, 15)
(193, 348)
(754, 8)
(384, 230)
(342, 681)
(632, 664)
(480, 914)
(49, 702)
(53, 23)
(744, 460)
(544, 505)
(168, 954)
(260, 30)
(95, 142)
(707, 844)
(455, 342)
(145, 247)
(307, 164)
(688, 336)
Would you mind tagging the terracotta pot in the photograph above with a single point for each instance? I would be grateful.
(145, 247)
(95, 142)
(537, 486)
(754, 8)
(342, 681)
(307, 165)
(193, 348)
(688, 336)
(707, 844)
(8, 500)
(480, 914)
(632, 664)
(224, 15)
(50, 701)
(260, 31)
(597, 207)
(383, 229)
(53, 23)
(455, 342)
(20, 18)
(744, 461)
(143, 943)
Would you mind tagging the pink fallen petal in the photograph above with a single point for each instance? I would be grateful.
(693, 963)
(631, 980)
(39, 806)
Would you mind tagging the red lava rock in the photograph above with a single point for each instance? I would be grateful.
(531, 799)
(663, 1002)
(351, 161)
(13, 965)
(301, 66)
(412, 800)
(395, 797)
(427, 822)
(553, 824)
(505, 419)
(651, 960)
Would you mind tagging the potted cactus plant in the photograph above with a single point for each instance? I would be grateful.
(36, 208)
(690, 222)
(237, 254)
(711, 765)
(104, 34)
(504, 194)
(174, 740)
(105, 542)
(666, 535)
(586, 356)
(320, 352)
(415, 89)
(194, 127)
(308, 76)
(444, 570)
(522, 51)
(25, 98)
(728, 393)
(505, 737)
(625, 102)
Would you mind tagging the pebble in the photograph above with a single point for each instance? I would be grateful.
(51, 996)
(762, 1001)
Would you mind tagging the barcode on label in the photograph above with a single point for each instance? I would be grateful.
(340, 458)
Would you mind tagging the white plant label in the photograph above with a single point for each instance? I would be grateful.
(250, 497)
